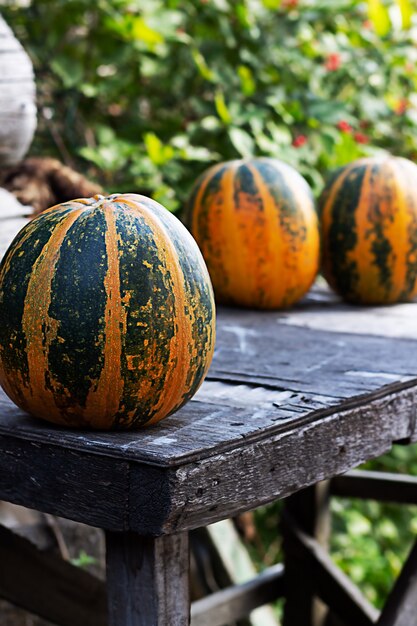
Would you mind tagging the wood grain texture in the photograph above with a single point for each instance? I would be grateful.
(380, 486)
(81, 487)
(147, 580)
(233, 603)
(310, 509)
(254, 473)
(44, 584)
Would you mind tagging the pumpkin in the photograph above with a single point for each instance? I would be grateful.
(257, 228)
(106, 314)
(369, 230)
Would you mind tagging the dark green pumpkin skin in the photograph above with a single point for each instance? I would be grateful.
(106, 314)
(368, 213)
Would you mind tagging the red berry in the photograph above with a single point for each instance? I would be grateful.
(333, 62)
(299, 141)
(344, 126)
(361, 138)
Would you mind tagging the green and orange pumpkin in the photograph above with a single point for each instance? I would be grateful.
(106, 314)
(257, 228)
(368, 215)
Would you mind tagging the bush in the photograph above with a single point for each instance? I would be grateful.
(151, 93)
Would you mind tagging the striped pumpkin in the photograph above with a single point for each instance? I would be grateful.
(257, 228)
(369, 230)
(106, 314)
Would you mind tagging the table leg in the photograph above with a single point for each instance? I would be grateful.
(147, 580)
(309, 508)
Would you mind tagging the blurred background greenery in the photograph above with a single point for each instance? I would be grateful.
(148, 93)
(143, 95)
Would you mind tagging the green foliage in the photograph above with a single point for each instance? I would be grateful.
(83, 560)
(149, 93)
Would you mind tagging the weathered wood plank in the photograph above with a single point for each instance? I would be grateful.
(233, 603)
(330, 583)
(147, 580)
(401, 606)
(310, 509)
(265, 349)
(82, 487)
(47, 586)
(203, 429)
(380, 486)
(127, 480)
(254, 473)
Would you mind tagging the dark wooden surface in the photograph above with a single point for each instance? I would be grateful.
(235, 602)
(46, 585)
(310, 510)
(147, 580)
(291, 398)
(380, 486)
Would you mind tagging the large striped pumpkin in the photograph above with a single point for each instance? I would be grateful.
(369, 230)
(106, 314)
(256, 225)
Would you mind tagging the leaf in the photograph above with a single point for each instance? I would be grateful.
(328, 111)
(157, 151)
(202, 66)
(242, 141)
(221, 108)
(69, 70)
(271, 4)
(406, 12)
(378, 14)
(142, 32)
(246, 79)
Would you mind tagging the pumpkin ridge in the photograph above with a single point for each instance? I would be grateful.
(40, 336)
(200, 307)
(14, 282)
(177, 368)
(198, 191)
(104, 398)
(271, 245)
(206, 228)
(406, 219)
(292, 208)
(339, 231)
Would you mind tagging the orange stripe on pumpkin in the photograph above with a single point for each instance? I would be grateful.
(39, 328)
(268, 249)
(104, 397)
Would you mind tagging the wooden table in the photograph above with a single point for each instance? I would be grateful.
(292, 398)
